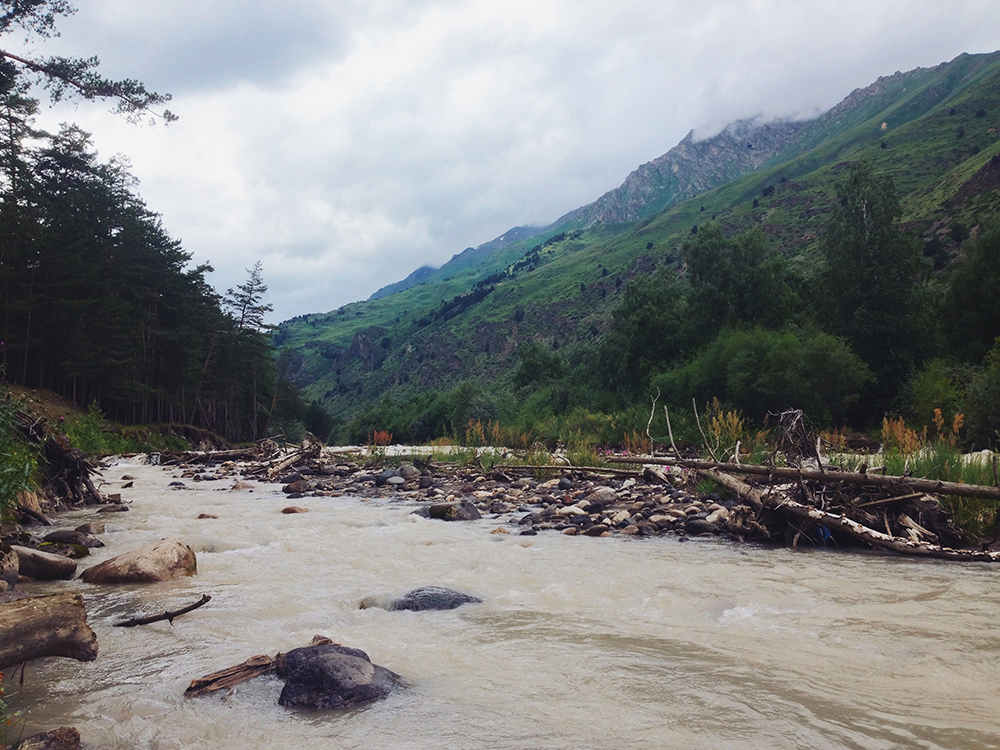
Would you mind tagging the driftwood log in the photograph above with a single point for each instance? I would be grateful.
(774, 499)
(227, 679)
(45, 626)
(935, 486)
(169, 615)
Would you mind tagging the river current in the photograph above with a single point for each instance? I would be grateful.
(580, 643)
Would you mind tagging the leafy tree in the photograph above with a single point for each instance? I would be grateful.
(736, 281)
(868, 281)
(982, 401)
(972, 302)
(648, 331)
(759, 370)
(536, 363)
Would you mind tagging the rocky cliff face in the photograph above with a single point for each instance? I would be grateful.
(691, 167)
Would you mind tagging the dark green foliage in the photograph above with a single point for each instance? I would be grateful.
(648, 330)
(759, 371)
(98, 303)
(972, 302)
(536, 363)
(868, 280)
(737, 280)
(983, 401)
(18, 458)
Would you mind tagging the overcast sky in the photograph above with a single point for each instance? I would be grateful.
(346, 143)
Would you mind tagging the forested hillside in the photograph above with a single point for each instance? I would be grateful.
(833, 276)
(97, 301)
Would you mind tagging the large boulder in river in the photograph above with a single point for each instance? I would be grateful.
(44, 566)
(431, 597)
(160, 561)
(327, 675)
(463, 510)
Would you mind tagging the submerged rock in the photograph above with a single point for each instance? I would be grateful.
(422, 599)
(332, 677)
(462, 510)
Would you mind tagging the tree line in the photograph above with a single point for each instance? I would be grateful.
(864, 329)
(97, 302)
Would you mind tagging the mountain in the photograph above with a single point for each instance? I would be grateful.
(688, 169)
(934, 130)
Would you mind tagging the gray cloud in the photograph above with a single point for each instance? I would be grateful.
(346, 144)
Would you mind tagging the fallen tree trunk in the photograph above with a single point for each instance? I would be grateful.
(826, 475)
(45, 626)
(168, 615)
(311, 448)
(761, 499)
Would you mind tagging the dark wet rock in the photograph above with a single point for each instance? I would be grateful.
(529, 532)
(294, 509)
(8, 566)
(296, 487)
(409, 472)
(63, 738)
(433, 597)
(93, 527)
(425, 482)
(116, 508)
(423, 511)
(329, 676)
(596, 530)
(289, 478)
(566, 483)
(176, 484)
(206, 515)
(463, 510)
(385, 476)
(74, 537)
(695, 526)
(44, 566)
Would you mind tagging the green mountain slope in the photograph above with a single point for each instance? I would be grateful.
(934, 130)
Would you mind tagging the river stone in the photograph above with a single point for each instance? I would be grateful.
(93, 527)
(44, 566)
(700, 526)
(8, 565)
(159, 561)
(395, 481)
(385, 476)
(73, 537)
(463, 510)
(602, 497)
(332, 677)
(432, 597)
(120, 508)
(409, 472)
(296, 488)
(294, 509)
(63, 738)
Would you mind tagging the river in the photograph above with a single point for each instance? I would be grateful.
(581, 642)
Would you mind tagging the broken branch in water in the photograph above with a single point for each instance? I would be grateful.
(169, 616)
(255, 666)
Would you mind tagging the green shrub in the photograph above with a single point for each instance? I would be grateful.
(18, 458)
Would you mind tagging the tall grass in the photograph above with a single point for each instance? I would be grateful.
(907, 452)
(18, 458)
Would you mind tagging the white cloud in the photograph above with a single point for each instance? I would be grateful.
(346, 144)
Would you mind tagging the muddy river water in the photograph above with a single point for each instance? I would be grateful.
(580, 642)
